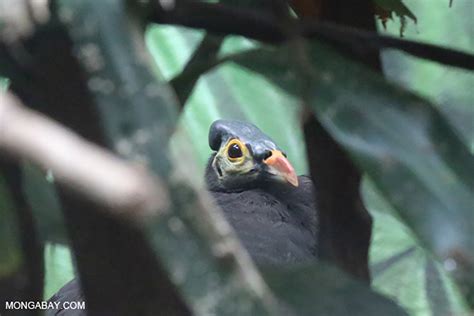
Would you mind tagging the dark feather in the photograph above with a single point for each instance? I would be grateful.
(276, 224)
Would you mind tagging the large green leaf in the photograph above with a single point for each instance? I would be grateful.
(402, 269)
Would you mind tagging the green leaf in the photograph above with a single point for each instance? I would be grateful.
(401, 268)
(227, 92)
(320, 289)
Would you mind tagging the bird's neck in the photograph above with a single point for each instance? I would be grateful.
(278, 189)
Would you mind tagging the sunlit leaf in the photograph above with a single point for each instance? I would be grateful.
(228, 92)
(402, 269)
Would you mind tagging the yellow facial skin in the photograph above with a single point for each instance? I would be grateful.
(230, 162)
(235, 159)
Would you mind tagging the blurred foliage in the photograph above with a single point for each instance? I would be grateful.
(402, 266)
(399, 264)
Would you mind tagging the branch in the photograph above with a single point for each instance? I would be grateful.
(259, 25)
(204, 55)
(86, 169)
(345, 226)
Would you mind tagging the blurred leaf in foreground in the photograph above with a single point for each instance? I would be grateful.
(324, 290)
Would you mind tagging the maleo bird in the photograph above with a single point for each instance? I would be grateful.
(271, 209)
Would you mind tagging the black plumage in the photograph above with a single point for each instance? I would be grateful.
(276, 227)
(272, 211)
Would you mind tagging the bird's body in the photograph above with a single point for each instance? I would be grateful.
(275, 226)
(271, 209)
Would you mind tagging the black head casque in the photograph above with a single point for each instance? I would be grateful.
(245, 158)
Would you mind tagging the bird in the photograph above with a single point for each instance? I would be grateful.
(271, 209)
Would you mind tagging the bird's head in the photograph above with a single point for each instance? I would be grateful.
(245, 157)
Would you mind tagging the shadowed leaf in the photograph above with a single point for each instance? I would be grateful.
(323, 290)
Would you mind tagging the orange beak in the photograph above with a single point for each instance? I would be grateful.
(282, 167)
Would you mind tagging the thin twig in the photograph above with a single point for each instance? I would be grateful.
(260, 25)
(124, 189)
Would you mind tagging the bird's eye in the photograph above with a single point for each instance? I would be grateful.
(234, 151)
